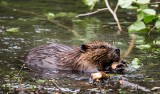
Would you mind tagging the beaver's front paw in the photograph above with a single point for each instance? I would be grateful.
(120, 67)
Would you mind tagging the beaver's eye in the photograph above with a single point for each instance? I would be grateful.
(102, 47)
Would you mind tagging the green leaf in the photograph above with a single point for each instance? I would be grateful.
(13, 30)
(137, 26)
(90, 3)
(65, 14)
(50, 16)
(143, 1)
(149, 11)
(136, 63)
(140, 16)
(61, 14)
(157, 24)
(143, 6)
(40, 81)
(146, 46)
(125, 3)
(149, 18)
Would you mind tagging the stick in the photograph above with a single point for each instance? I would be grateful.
(58, 87)
(115, 10)
(131, 45)
(114, 15)
(21, 69)
(90, 13)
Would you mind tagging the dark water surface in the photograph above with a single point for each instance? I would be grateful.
(35, 29)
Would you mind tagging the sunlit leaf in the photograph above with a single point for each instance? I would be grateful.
(61, 14)
(32, 87)
(13, 30)
(154, 5)
(143, 1)
(143, 6)
(157, 24)
(148, 79)
(136, 63)
(125, 3)
(50, 16)
(137, 26)
(149, 11)
(146, 46)
(156, 42)
(140, 16)
(40, 81)
(90, 3)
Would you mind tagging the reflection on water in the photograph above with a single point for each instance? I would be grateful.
(34, 32)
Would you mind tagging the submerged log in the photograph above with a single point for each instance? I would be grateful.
(122, 81)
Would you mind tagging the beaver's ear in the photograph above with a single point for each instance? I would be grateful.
(117, 51)
(83, 48)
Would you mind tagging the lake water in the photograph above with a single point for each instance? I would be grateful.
(29, 17)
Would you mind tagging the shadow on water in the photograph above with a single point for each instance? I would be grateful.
(33, 31)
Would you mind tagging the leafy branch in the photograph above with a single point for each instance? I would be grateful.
(91, 4)
(147, 18)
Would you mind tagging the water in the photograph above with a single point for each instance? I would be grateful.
(35, 29)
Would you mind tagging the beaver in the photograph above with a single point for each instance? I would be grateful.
(91, 57)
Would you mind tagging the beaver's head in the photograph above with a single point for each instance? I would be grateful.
(101, 54)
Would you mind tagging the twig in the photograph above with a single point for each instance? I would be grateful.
(19, 73)
(115, 10)
(131, 45)
(21, 69)
(90, 13)
(151, 30)
(58, 87)
(114, 15)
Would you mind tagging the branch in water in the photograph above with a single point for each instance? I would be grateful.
(90, 13)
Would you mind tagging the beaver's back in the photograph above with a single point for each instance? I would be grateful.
(37, 57)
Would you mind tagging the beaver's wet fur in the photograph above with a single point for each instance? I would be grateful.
(91, 57)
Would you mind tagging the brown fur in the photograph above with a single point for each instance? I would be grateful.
(88, 58)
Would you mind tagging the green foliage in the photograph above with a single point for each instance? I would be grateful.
(137, 26)
(149, 11)
(136, 63)
(125, 3)
(90, 3)
(13, 30)
(40, 81)
(157, 24)
(142, 1)
(50, 16)
(145, 46)
(145, 15)
(65, 14)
